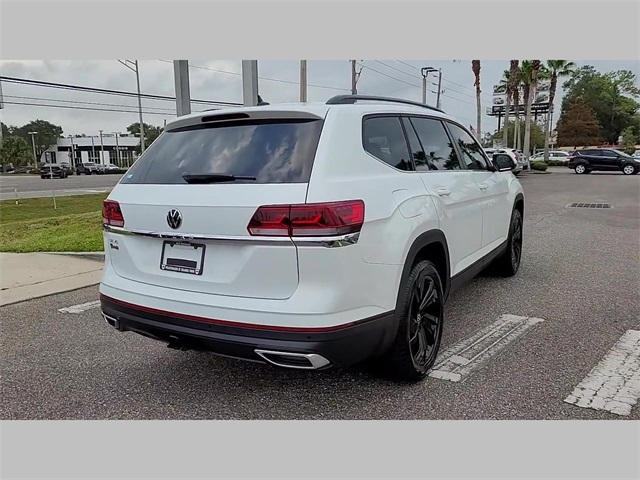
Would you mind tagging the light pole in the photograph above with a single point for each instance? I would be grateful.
(136, 70)
(303, 81)
(425, 73)
(439, 87)
(33, 143)
(101, 148)
(117, 149)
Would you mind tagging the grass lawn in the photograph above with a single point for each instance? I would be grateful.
(34, 226)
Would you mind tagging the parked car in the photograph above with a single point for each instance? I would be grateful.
(53, 170)
(600, 159)
(518, 163)
(557, 155)
(321, 235)
(7, 168)
(88, 168)
(109, 167)
(636, 154)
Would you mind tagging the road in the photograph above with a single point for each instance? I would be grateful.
(32, 186)
(580, 274)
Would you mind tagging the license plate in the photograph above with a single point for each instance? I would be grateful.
(182, 257)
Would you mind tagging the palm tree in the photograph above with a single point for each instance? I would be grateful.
(507, 84)
(557, 69)
(530, 89)
(514, 72)
(524, 82)
(514, 77)
(475, 66)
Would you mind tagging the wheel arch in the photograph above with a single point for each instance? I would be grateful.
(431, 245)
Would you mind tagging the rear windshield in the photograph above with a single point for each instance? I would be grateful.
(272, 151)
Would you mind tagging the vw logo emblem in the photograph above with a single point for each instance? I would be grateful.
(174, 219)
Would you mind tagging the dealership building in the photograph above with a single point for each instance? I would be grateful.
(106, 149)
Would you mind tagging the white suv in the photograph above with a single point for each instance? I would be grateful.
(307, 236)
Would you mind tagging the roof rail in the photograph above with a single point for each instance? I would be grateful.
(351, 99)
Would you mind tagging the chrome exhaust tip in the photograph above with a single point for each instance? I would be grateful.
(113, 322)
(301, 361)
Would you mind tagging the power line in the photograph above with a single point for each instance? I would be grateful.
(85, 108)
(290, 82)
(104, 91)
(398, 70)
(84, 103)
(389, 76)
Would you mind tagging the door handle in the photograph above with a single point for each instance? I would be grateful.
(443, 192)
(482, 186)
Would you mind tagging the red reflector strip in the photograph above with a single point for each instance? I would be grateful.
(228, 323)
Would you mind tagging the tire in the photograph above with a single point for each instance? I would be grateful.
(508, 264)
(629, 169)
(407, 360)
(580, 169)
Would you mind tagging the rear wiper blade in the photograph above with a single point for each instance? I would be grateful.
(213, 177)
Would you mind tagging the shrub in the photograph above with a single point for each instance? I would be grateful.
(539, 166)
(556, 163)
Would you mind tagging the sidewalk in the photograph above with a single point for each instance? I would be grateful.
(24, 276)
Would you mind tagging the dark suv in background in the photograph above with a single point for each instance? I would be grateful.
(604, 160)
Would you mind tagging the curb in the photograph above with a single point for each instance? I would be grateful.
(44, 295)
(97, 256)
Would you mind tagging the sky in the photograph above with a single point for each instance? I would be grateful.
(220, 80)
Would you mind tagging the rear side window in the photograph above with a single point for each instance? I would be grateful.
(383, 137)
(436, 144)
(272, 151)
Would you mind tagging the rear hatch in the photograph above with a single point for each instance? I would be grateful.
(187, 219)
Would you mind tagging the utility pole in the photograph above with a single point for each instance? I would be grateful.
(93, 149)
(303, 81)
(250, 83)
(135, 69)
(183, 95)
(354, 78)
(1, 107)
(33, 143)
(439, 87)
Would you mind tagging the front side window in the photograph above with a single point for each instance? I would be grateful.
(472, 154)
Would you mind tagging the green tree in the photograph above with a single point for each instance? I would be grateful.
(48, 134)
(578, 125)
(151, 132)
(557, 69)
(629, 140)
(537, 135)
(612, 96)
(15, 150)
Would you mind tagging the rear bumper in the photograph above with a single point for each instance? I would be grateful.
(314, 348)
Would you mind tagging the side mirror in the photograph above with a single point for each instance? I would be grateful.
(502, 162)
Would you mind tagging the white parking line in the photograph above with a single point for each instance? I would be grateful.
(83, 307)
(457, 362)
(614, 383)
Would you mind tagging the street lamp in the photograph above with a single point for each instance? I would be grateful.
(33, 143)
(117, 149)
(136, 70)
(425, 71)
(102, 149)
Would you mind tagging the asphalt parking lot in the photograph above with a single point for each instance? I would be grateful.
(31, 186)
(580, 274)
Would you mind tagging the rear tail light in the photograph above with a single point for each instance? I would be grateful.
(112, 214)
(308, 220)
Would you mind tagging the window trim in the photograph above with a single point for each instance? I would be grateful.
(406, 140)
